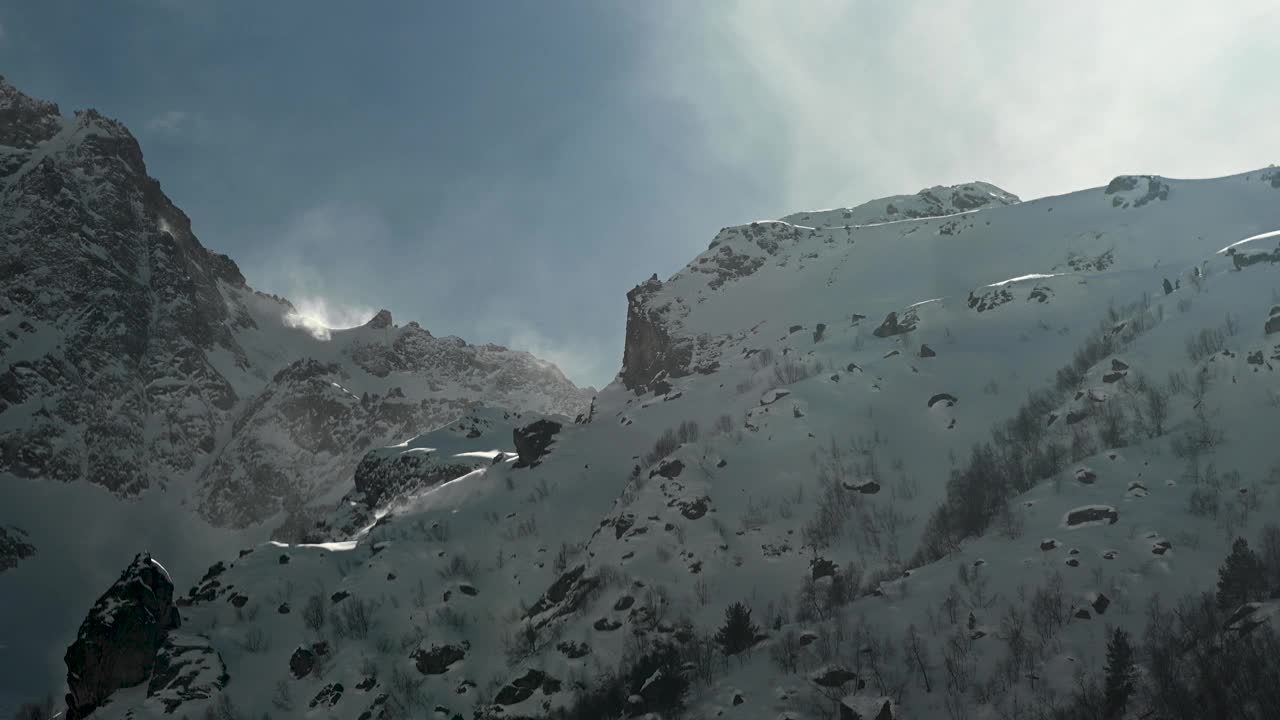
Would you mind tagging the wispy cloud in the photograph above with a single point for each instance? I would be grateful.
(169, 122)
(845, 101)
(584, 359)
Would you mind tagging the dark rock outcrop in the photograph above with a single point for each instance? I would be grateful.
(1121, 186)
(1273, 321)
(328, 696)
(380, 477)
(893, 326)
(1092, 514)
(523, 687)
(1101, 603)
(650, 352)
(669, 469)
(437, 659)
(533, 440)
(821, 567)
(117, 643)
(13, 547)
(948, 398)
(832, 677)
(857, 707)
(569, 593)
(573, 650)
(187, 668)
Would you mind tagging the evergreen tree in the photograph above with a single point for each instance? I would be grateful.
(1241, 577)
(738, 632)
(1119, 675)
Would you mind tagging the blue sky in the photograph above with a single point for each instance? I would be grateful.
(506, 171)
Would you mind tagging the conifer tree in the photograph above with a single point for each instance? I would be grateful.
(1119, 675)
(1241, 578)
(738, 632)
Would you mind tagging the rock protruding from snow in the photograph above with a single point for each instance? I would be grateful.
(533, 440)
(1273, 321)
(1136, 190)
(25, 121)
(936, 201)
(437, 659)
(894, 326)
(14, 547)
(861, 707)
(650, 353)
(1092, 515)
(117, 643)
(187, 669)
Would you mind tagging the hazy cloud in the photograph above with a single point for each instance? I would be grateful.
(854, 100)
(169, 122)
(585, 358)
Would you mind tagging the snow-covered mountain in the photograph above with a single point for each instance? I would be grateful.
(134, 360)
(938, 458)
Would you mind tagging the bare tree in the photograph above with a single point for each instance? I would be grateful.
(916, 655)
(785, 652)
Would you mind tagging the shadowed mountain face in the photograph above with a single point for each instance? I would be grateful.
(135, 358)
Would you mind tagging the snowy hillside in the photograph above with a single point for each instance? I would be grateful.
(937, 458)
(135, 361)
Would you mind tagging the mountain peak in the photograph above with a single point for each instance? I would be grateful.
(25, 121)
(381, 320)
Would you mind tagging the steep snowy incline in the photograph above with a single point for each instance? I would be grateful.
(860, 274)
(790, 417)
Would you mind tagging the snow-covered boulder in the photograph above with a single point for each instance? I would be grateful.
(117, 643)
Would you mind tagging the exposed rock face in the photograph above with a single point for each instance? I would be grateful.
(893, 326)
(936, 201)
(120, 299)
(1092, 514)
(1136, 190)
(533, 440)
(650, 353)
(136, 356)
(990, 299)
(1243, 259)
(117, 643)
(25, 122)
(1273, 321)
(14, 547)
(523, 687)
(379, 478)
(437, 659)
(866, 708)
(832, 677)
(187, 668)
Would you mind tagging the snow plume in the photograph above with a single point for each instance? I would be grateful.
(319, 316)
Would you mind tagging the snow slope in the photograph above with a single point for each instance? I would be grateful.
(790, 408)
